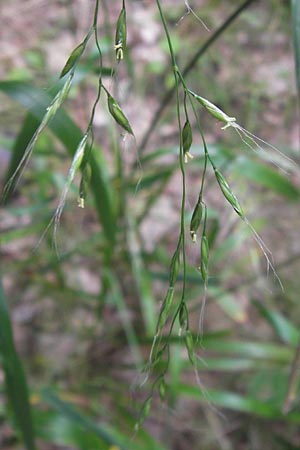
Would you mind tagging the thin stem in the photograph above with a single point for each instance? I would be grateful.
(95, 21)
(181, 240)
(207, 156)
(182, 221)
(91, 121)
(168, 39)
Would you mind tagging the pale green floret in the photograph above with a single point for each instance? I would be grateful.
(120, 40)
(165, 309)
(189, 343)
(174, 268)
(183, 320)
(78, 157)
(66, 87)
(187, 137)
(73, 58)
(84, 185)
(215, 111)
(76, 163)
(118, 114)
(187, 140)
(228, 194)
(204, 258)
(144, 413)
(195, 221)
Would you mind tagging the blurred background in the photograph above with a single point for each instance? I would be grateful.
(84, 313)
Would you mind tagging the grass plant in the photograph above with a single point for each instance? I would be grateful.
(167, 351)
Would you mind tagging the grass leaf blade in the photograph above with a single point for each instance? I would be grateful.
(15, 380)
(36, 100)
(104, 432)
(236, 402)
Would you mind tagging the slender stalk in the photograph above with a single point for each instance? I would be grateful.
(181, 240)
(206, 154)
(96, 10)
(94, 30)
(95, 23)
(172, 54)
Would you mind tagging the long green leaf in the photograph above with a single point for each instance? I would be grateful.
(229, 303)
(259, 350)
(142, 280)
(220, 344)
(29, 127)
(106, 433)
(119, 301)
(59, 430)
(237, 402)
(37, 100)
(67, 410)
(283, 327)
(265, 176)
(15, 380)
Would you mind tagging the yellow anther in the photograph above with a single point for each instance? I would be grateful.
(193, 236)
(81, 202)
(119, 51)
(187, 156)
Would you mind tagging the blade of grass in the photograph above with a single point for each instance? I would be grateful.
(118, 299)
(62, 432)
(228, 303)
(36, 100)
(154, 177)
(15, 380)
(67, 410)
(152, 198)
(231, 400)
(259, 350)
(265, 176)
(14, 235)
(108, 434)
(219, 343)
(283, 327)
(289, 334)
(27, 131)
(141, 277)
(144, 440)
(241, 364)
